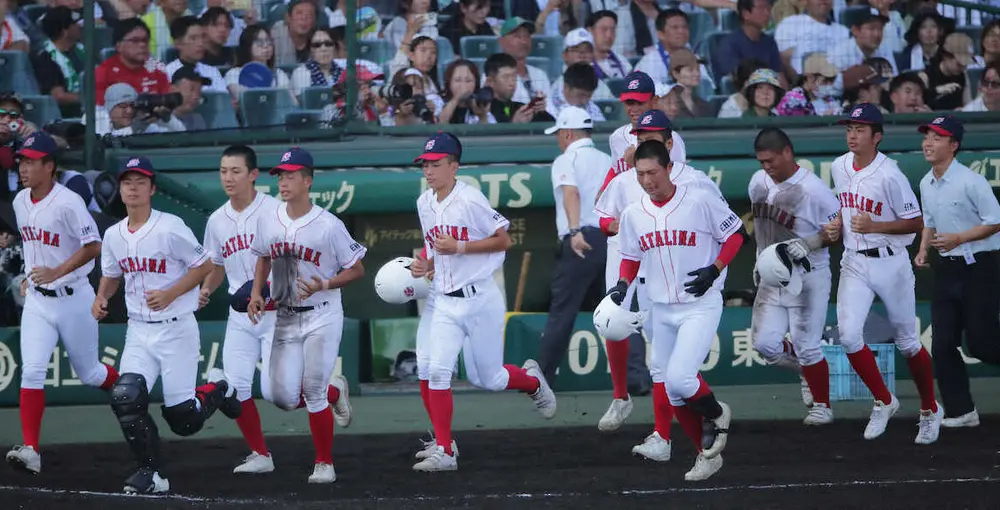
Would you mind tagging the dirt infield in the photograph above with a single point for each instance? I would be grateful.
(767, 465)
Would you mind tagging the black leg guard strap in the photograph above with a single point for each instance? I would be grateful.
(130, 402)
(185, 418)
(706, 406)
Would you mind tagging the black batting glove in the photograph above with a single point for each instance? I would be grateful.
(703, 280)
(617, 292)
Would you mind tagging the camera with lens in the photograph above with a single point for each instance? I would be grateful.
(421, 110)
(395, 94)
(482, 97)
(149, 103)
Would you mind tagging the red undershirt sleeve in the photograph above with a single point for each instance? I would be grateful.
(628, 269)
(606, 225)
(730, 248)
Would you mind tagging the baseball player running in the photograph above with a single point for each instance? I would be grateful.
(640, 96)
(60, 243)
(791, 204)
(309, 255)
(162, 264)
(466, 241)
(690, 237)
(621, 192)
(879, 218)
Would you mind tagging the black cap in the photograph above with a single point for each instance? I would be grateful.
(188, 72)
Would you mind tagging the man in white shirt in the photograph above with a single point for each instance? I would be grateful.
(515, 40)
(989, 91)
(810, 32)
(189, 39)
(12, 37)
(608, 64)
(866, 42)
(576, 177)
(673, 33)
(578, 46)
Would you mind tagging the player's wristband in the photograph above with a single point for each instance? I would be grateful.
(461, 247)
(574, 231)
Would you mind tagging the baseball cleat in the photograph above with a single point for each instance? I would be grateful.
(227, 401)
(437, 461)
(431, 446)
(146, 481)
(25, 458)
(323, 473)
(969, 419)
(929, 427)
(807, 394)
(819, 414)
(715, 433)
(616, 414)
(879, 419)
(703, 468)
(544, 398)
(342, 407)
(654, 448)
(255, 464)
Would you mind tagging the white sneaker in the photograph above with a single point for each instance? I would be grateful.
(929, 426)
(255, 463)
(431, 446)
(654, 447)
(437, 461)
(819, 414)
(616, 414)
(704, 468)
(721, 431)
(342, 407)
(880, 417)
(323, 473)
(970, 419)
(807, 394)
(544, 398)
(146, 481)
(25, 458)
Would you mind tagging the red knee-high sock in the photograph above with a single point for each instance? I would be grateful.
(663, 412)
(520, 380)
(703, 389)
(425, 395)
(864, 364)
(690, 422)
(321, 427)
(332, 394)
(110, 379)
(618, 362)
(818, 378)
(249, 423)
(32, 408)
(922, 372)
(443, 407)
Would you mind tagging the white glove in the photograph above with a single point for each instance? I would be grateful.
(797, 249)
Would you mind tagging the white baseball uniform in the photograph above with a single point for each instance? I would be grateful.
(167, 342)
(622, 138)
(52, 230)
(875, 263)
(795, 208)
(228, 237)
(683, 235)
(424, 344)
(467, 301)
(308, 331)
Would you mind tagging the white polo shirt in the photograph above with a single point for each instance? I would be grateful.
(846, 54)
(206, 71)
(583, 166)
(807, 35)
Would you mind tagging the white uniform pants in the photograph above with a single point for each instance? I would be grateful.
(168, 349)
(304, 355)
(245, 345)
(682, 335)
(891, 278)
(803, 316)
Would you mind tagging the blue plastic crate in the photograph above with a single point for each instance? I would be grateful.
(845, 384)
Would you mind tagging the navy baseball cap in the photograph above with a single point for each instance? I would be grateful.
(140, 165)
(439, 146)
(653, 120)
(293, 160)
(863, 113)
(38, 146)
(638, 87)
(945, 126)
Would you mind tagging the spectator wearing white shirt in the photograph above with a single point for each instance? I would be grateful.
(866, 29)
(608, 64)
(672, 33)
(799, 35)
(12, 37)
(578, 47)
(893, 35)
(989, 91)
(255, 45)
(423, 12)
(515, 40)
(576, 88)
(636, 24)
(924, 39)
(189, 39)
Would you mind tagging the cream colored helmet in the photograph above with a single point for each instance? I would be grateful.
(395, 285)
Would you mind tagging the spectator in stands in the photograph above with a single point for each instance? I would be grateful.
(795, 103)
(989, 43)
(989, 91)
(906, 94)
(578, 46)
(291, 35)
(256, 45)
(634, 28)
(59, 63)
(319, 70)
(339, 34)
(13, 129)
(128, 9)
(608, 64)
(219, 29)
(470, 21)
(238, 21)
(422, 13)
(786, 8)
(12, 37)
(119, 117)
(737, 102)
(501, 76)
(576, 87)
(924, 38)
(812, 31)
(749, 41)
(515, 40)
(417, 110)
(421, 55)
(945, 78)
(685, 70)
(160, 20)
(131, 64)
(866, 29)
(461, 81)
(368, 22)
(893, 34)
(763, 92)
(188, 82)
(672, 34)
(552, 17)
(818, 85)
(868, 90)
(189, 38)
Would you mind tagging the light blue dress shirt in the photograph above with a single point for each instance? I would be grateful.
(959, 200)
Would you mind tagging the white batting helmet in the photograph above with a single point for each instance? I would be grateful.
(776, 269)
(614, 322)
(395, 285)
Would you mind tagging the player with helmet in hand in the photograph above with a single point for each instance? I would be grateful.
(466, 241)
(790, 206)
(701, 238)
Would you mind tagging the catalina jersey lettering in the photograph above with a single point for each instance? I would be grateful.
(229, 235)
(880, 190)
(53, 229)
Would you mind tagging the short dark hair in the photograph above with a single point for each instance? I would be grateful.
(773, 140)
(498, 61)
(652, 149)
(744, 6)
(581, 76)
(249, 155)
(908, 77)
(125, 27)
(307, 171)
(179, 28)
(598, 16)
(295, 3)
(666, 14)
(213, 13)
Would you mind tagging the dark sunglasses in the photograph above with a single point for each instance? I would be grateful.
(10, 113)
(328, 44)
(990, 84)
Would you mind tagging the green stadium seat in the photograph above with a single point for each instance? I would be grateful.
(727, 86)
(103, 37)
(975, 76)
(16, 73)
(107, 53)
(545, 64)
(550, 47)
(275, 14)
(717, 101)
(700, 24)
(41, 110)
(706, 88)
(613, 110)
(730, 20)
(479, 46)
(380, 51)
(975, 33)
(315, 98)
(217, 109)
(304, 119)
(446, 52)
(265, 106)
